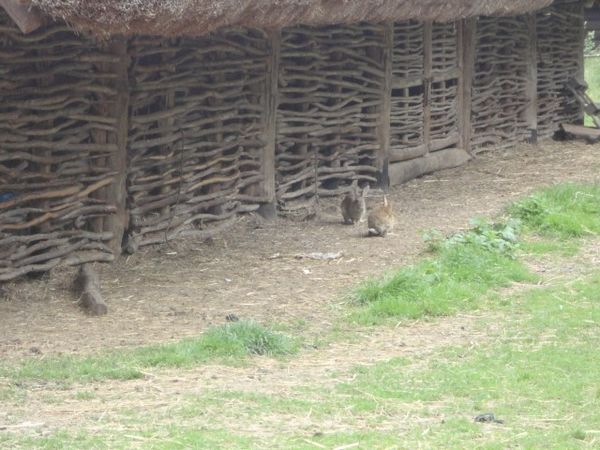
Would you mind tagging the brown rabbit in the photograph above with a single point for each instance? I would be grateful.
(381, 219)
(353, 205)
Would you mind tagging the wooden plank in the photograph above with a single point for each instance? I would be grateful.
(451, 140)
(402, 172)
(467, 35)
(591, 134)
(531, 113)
(271, 103)
(383, 155)
(398, 154)
(117, 193)
(26, 18)
(586, 103)
(427, 70)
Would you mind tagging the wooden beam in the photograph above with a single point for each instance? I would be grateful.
(401, 172)
(26, 18)
(467, 36)
(271, 103)
(579, 131)
(531, 113)
(427, 72)
(117, 193)
(383, 154)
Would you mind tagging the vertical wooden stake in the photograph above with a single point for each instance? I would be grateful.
(269, 209)
(531, 113)
(467, 43)
(581, 55)
(117, 192)
(383, 155)
(427, 69)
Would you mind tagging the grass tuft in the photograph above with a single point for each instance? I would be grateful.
(230, 341)
(247, 338)
(563, 211)
(455, 279)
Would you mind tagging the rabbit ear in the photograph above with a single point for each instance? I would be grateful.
(385, 202)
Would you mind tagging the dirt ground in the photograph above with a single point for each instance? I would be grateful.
(170, 292)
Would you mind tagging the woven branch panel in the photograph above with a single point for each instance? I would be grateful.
(444, 87)
(406, 119)
(330, 92)
(559, 59)
(500, 82)
(55, 141)
(196, 133)
(201, 121)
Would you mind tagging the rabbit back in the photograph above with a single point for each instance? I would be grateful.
(353, 206)
(381, 220)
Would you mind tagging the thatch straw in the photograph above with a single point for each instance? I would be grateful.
(197, 17)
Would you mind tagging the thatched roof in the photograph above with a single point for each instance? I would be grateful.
(197, 17)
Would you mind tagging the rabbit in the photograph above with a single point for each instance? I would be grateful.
(353, 205)
(381, 219)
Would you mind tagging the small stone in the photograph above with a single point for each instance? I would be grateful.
(487, 418)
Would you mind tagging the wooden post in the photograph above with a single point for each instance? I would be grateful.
(383, 155)
(460, 91)
(271, 102)
(467, 43)
(531, 113)
(427, 69)
(87, 286)
(117, 192)
(581, 55)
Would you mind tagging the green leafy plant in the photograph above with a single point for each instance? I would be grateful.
(464, 267)
(565, 210)
(501, 237)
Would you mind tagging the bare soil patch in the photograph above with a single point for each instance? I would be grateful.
(170, 292)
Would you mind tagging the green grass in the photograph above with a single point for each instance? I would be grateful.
(56, 441)
(534, 365)
(464, 268)
(560, 247)
(592, 76)
(537, 369)
(468, 266)
(561, 211)
(454, 280)
(232, 342)
(171, 437)
(540, 375)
